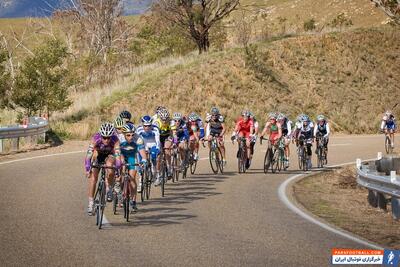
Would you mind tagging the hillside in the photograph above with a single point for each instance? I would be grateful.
(351, 77)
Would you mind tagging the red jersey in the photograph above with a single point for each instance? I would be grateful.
(244, 126)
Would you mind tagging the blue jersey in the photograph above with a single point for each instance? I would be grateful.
(129, 150)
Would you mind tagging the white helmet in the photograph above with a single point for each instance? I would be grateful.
(106, 129)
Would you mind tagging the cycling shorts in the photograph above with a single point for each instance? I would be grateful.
(244, 134)
(131, 161)
(102, 157)
(391, 126)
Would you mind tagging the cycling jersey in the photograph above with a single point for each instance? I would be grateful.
(181, 129)
(130, 149)
(103, 150)
(195, 126)
(307, 131)
(163, 127)
(244, 127)
(215, 125)
(150, 137)
(286, 127)
(323, 129)
(389, 123)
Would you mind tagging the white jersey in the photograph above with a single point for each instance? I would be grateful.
(150, 138)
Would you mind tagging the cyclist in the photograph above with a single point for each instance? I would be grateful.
(244, 128)
(388, 125)
(196, 132)
(273, 127)
(126, 116)
(254, 133)
(151, 137)
(157, 111)
(133, 145)
(163, 123)
(306, 134)
(215, 127)
(104, 148)
(118, 125)
(180, 134)
(322, 131)
(286, 125)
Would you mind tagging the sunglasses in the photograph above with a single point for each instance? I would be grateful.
(146, 125)
(128, 135)
(106, 137)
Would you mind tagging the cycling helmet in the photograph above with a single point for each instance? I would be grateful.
(119, 122)
(246, 113)
(281, 116)
(214, 111)
(106, 129)
(177, 116)
(147, 120)
(320, 118)
(305, 118)
(129, 128)
(126, 115)
(164, 114)
(159, 109)
(193, 117)
(300, 117)
(272, 115)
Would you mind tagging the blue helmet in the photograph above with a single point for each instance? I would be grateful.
(147, 120)
(129, 128)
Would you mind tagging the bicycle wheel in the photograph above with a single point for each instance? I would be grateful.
(186, 163)
(193, 164)
(267, 160)
(240, 161)
(213, 160)
(281, 160)
(164, 177)
(149, 178)
(275, 161)
(388, 145)
(126, 208)
(300, 157)
(305, 161)
(143, 181)
(320, 163)
(220, 160)
(115, 202)
(102, 202)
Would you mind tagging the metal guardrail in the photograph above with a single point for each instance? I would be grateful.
(382, 188)
(37, 127)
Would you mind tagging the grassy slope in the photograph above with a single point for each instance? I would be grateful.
(351, 77)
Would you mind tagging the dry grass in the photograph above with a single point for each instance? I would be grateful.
(341, 75)
(335, 197)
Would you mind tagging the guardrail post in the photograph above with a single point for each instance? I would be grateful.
(1, 145)
(396, 208)
(372, 198)
(393, 177)
(15, 143)
(379, 156)
(382, 202)
(358, 163)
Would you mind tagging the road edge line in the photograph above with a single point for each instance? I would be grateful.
(312, 218)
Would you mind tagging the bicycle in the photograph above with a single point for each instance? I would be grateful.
(100, 195)
(274, 158)
(147, 179)
(388, 144)
(242, 154)
(163, 171)
(302, 154)
(215, 156)
(321, 151)
(175, 163)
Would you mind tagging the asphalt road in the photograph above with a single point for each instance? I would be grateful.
(205, 220)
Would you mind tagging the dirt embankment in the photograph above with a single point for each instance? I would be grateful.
(335, 197)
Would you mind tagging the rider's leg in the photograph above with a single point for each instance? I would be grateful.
(168, 145)
(110, 172)
(133, 183)
(392, 137)
(92, 181)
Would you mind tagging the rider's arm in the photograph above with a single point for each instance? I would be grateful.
(89, 155)
(117, 155)
(315, 131)
(328, 130)
(279, 131)
(265, 130)
(157, 137)
(289, 128)
(251, 126)
(223, 129)
(383, 124)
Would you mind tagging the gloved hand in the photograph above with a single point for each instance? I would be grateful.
(118, 164)
(175, 140)
(87, 167)
(144, 163)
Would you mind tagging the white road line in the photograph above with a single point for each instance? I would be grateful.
(43, 156)
(283, 197)
(347, 144)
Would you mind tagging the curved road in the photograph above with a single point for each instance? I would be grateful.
(205, 220)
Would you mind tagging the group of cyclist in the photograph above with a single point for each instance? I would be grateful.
(122, 146)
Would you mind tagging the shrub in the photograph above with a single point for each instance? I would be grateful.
(309, 25)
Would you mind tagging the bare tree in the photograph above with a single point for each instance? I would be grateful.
(100, 25)
(196, 17)
(244, 29)
(390, 7)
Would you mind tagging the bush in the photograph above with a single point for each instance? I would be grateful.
(309, 25)
(341, 21)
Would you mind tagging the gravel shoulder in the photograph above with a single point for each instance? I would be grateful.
(335, 197)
